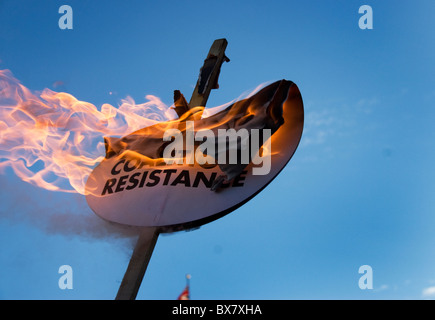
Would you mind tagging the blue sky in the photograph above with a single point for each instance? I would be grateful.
(358, 191)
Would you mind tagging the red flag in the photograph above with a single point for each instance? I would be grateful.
(185, 294)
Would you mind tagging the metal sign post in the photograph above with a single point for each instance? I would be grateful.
(146, 242)
(138, 264)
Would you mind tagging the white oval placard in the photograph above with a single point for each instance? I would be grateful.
(129, 188)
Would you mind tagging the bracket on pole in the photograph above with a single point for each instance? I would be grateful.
(209, 73)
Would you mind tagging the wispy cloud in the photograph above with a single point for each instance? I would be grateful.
(328, 119)
(382, 288)
(429, 292)
(319, 125)
(366, 105)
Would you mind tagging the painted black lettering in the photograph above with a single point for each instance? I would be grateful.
(114, 171)
(108, 186)
(239, 181)
(154, 176)
(183, 178)
(168, 175)
(144, 177)
(200, 176)
(121, 183)
(133, 180)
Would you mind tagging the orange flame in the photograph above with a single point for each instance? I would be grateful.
(51, 138)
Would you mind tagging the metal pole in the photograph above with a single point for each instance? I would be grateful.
(208, 80)
(138, 264)
(209, 73)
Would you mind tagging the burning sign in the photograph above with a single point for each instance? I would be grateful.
(150, 170)
(186, 172)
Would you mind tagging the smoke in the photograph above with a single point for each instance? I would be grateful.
(56, 213)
